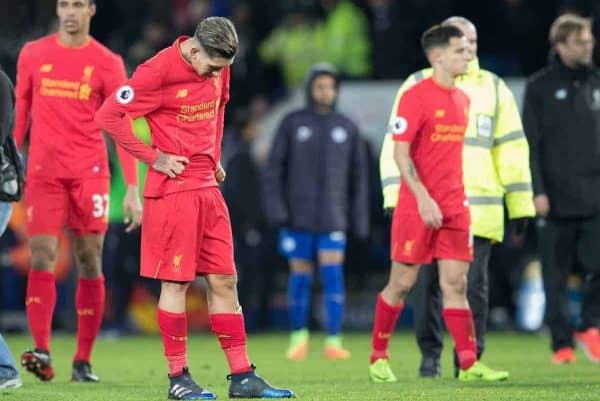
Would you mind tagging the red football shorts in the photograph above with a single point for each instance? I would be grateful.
(414, 243)
(80, 204)
(186, 234)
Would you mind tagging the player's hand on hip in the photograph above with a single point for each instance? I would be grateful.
(132, 208)
(220, 174)
(171, 165)
(542, 205)
(430, 212)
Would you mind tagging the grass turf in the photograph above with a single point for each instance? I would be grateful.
(133, 369)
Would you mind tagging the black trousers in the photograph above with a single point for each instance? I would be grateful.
(563, 243)
(122, 264)
(427, 300)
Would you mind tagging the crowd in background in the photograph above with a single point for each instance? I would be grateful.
(279, 42)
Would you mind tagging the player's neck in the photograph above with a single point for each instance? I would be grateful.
(322, 109)
(73, 40)
(443, 78)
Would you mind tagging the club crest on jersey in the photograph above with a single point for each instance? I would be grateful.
(339, 135)
(87, 73)
(125, 94)
(400, 125)
(303, 134)
(288, 244)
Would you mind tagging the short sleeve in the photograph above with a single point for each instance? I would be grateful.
(409, 118)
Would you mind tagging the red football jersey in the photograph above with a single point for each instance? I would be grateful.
(184, 112)
(434, 120)
(61, 88)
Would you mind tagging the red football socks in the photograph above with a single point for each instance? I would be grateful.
(173, 330)
(89, 302)
(459, 323)
(384, 324)
(229, 329)
(39, 304)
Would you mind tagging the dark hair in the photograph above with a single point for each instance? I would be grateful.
(439, 36)
(218, 37)
(565, 25)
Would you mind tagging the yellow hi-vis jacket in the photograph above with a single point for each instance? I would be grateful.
(495, 156)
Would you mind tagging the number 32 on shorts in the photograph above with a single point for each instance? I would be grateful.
(101, 202)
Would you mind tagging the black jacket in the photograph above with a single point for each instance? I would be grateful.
(316, 175)
(242, 191)
(10, 162)
(561, 118)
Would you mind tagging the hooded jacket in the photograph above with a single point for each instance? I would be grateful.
(316, 177)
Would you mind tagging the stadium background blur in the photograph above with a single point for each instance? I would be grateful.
(374, 44)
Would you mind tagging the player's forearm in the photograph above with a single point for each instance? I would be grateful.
(118, 126)
(128, 165)
(220, 128)
(22, 108)
(409, 173)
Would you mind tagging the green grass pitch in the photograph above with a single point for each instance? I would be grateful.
(133, 369)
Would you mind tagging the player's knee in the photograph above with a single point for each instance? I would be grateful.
(400, 286)
(173, 289)
(43, 256)
(454, 285)
(88, 261)
(222, 284)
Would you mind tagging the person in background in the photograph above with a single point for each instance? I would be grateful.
(242, 192)
(62, 79)
(345, 38)
(316, 190)
(10, 180)
(561, 117)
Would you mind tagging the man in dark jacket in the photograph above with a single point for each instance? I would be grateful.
(562, 123)
(242, 192)
(316, 189)
(9, 375)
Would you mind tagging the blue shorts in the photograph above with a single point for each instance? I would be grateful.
(305, 244)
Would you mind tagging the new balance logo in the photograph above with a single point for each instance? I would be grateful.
(46, 68)
(181, 93)
(440, 113)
